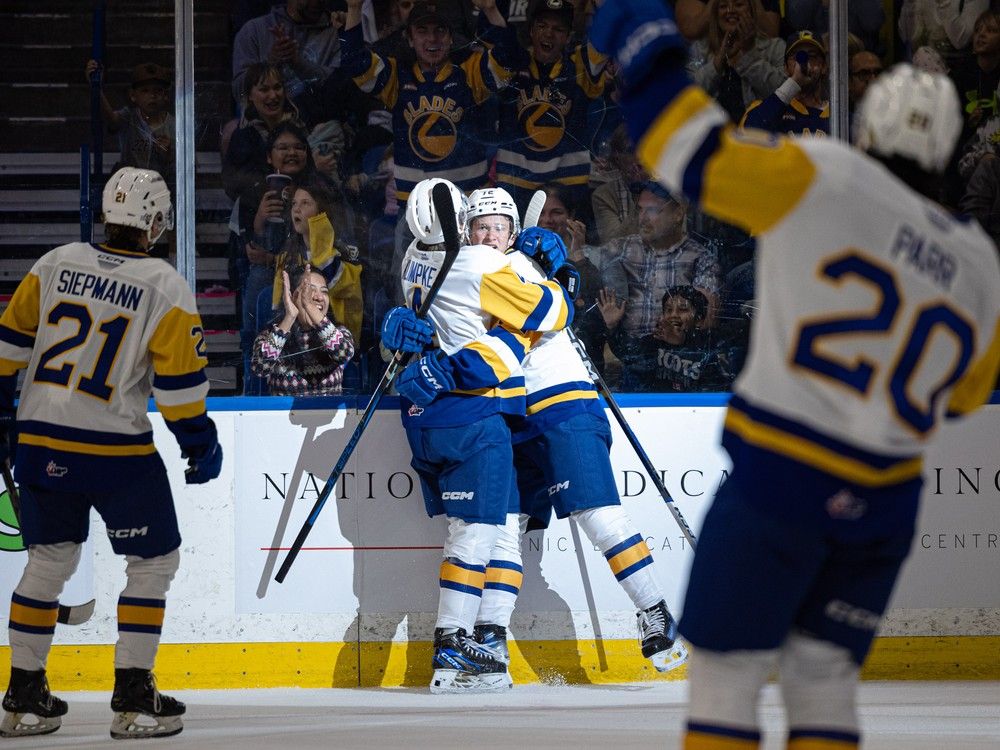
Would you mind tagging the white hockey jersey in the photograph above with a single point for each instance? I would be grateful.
(99, 331)
(557, 382)
(481, 314)
(877, 310)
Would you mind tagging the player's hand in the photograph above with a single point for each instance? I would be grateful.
(403, 331)
(426, 379)
(545, 246)
(569, 279)
(204, 467)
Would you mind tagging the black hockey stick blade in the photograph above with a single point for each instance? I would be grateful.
(445, 209)
(8, 481)
(76, 614)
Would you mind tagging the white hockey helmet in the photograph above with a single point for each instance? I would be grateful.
(138, 198)
(421, 216)
(494, 202)
(910, 113)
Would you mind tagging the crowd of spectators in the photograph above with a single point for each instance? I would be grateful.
(357, 100)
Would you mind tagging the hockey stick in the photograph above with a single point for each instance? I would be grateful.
(445, 211)
(69, 614)
(530, 220)
(534, 210)
(602, 387)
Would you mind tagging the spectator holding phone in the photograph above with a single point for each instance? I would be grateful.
(799, 105)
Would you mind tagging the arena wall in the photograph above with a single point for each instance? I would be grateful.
(359, 604)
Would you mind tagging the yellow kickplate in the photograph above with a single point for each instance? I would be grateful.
(315, 665)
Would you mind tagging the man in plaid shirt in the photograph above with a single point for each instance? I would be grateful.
(660, 256)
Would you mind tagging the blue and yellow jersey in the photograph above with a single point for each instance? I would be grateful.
(878, 310)
(794, 118)
(543, 117)
(99, 331)
(430, 114)
(483, 314)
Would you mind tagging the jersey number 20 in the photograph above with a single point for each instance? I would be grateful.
(859, 374)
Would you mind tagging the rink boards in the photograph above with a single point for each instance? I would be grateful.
(359, 604)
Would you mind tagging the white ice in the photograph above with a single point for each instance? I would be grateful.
(894, 716)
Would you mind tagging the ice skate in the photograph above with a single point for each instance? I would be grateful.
(658, 638)
(463, 666)
(493, 637)
(135, 697)
(28, 694)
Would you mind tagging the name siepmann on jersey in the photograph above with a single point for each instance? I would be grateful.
(86, 284)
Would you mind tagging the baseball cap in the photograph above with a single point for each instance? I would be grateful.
(657, 188)
(150, 72)
(562, 8)
(803, 40)
(426, 10)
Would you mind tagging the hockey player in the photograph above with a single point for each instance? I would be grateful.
(564, 442)
(99, 328)
(458, 433)
(878, 316)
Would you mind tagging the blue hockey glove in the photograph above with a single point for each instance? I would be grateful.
(569, 278)
(403, 331)
(635, 33)
(205, 467)
(545, 246)
(426, 379)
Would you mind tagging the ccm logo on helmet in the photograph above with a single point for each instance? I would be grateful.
(127, 533)
(458, 495)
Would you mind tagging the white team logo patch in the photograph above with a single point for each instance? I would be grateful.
(54, 470)
(415, 411)
(846, 506)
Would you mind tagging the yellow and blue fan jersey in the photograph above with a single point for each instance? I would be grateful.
(878, 309)
(482, 314)
(543, 114)
(794, 118)
(99, 331)
(430, 113)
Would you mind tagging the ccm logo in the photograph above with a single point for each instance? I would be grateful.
(127, 533)
(457, 495)
(557, 487)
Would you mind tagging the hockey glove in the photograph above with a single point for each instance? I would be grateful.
(403, 331)
(569, 278)
(635, 33)
(545, 246)
(426, 379)
(206, 467)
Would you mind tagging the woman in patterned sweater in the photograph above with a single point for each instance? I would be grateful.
(303, 352)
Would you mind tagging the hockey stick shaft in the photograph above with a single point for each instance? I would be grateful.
(449, 225)
(68, 614)
(632, 438)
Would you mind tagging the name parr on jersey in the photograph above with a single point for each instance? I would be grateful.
(924, 256)
(419, 274)
(83, 284)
